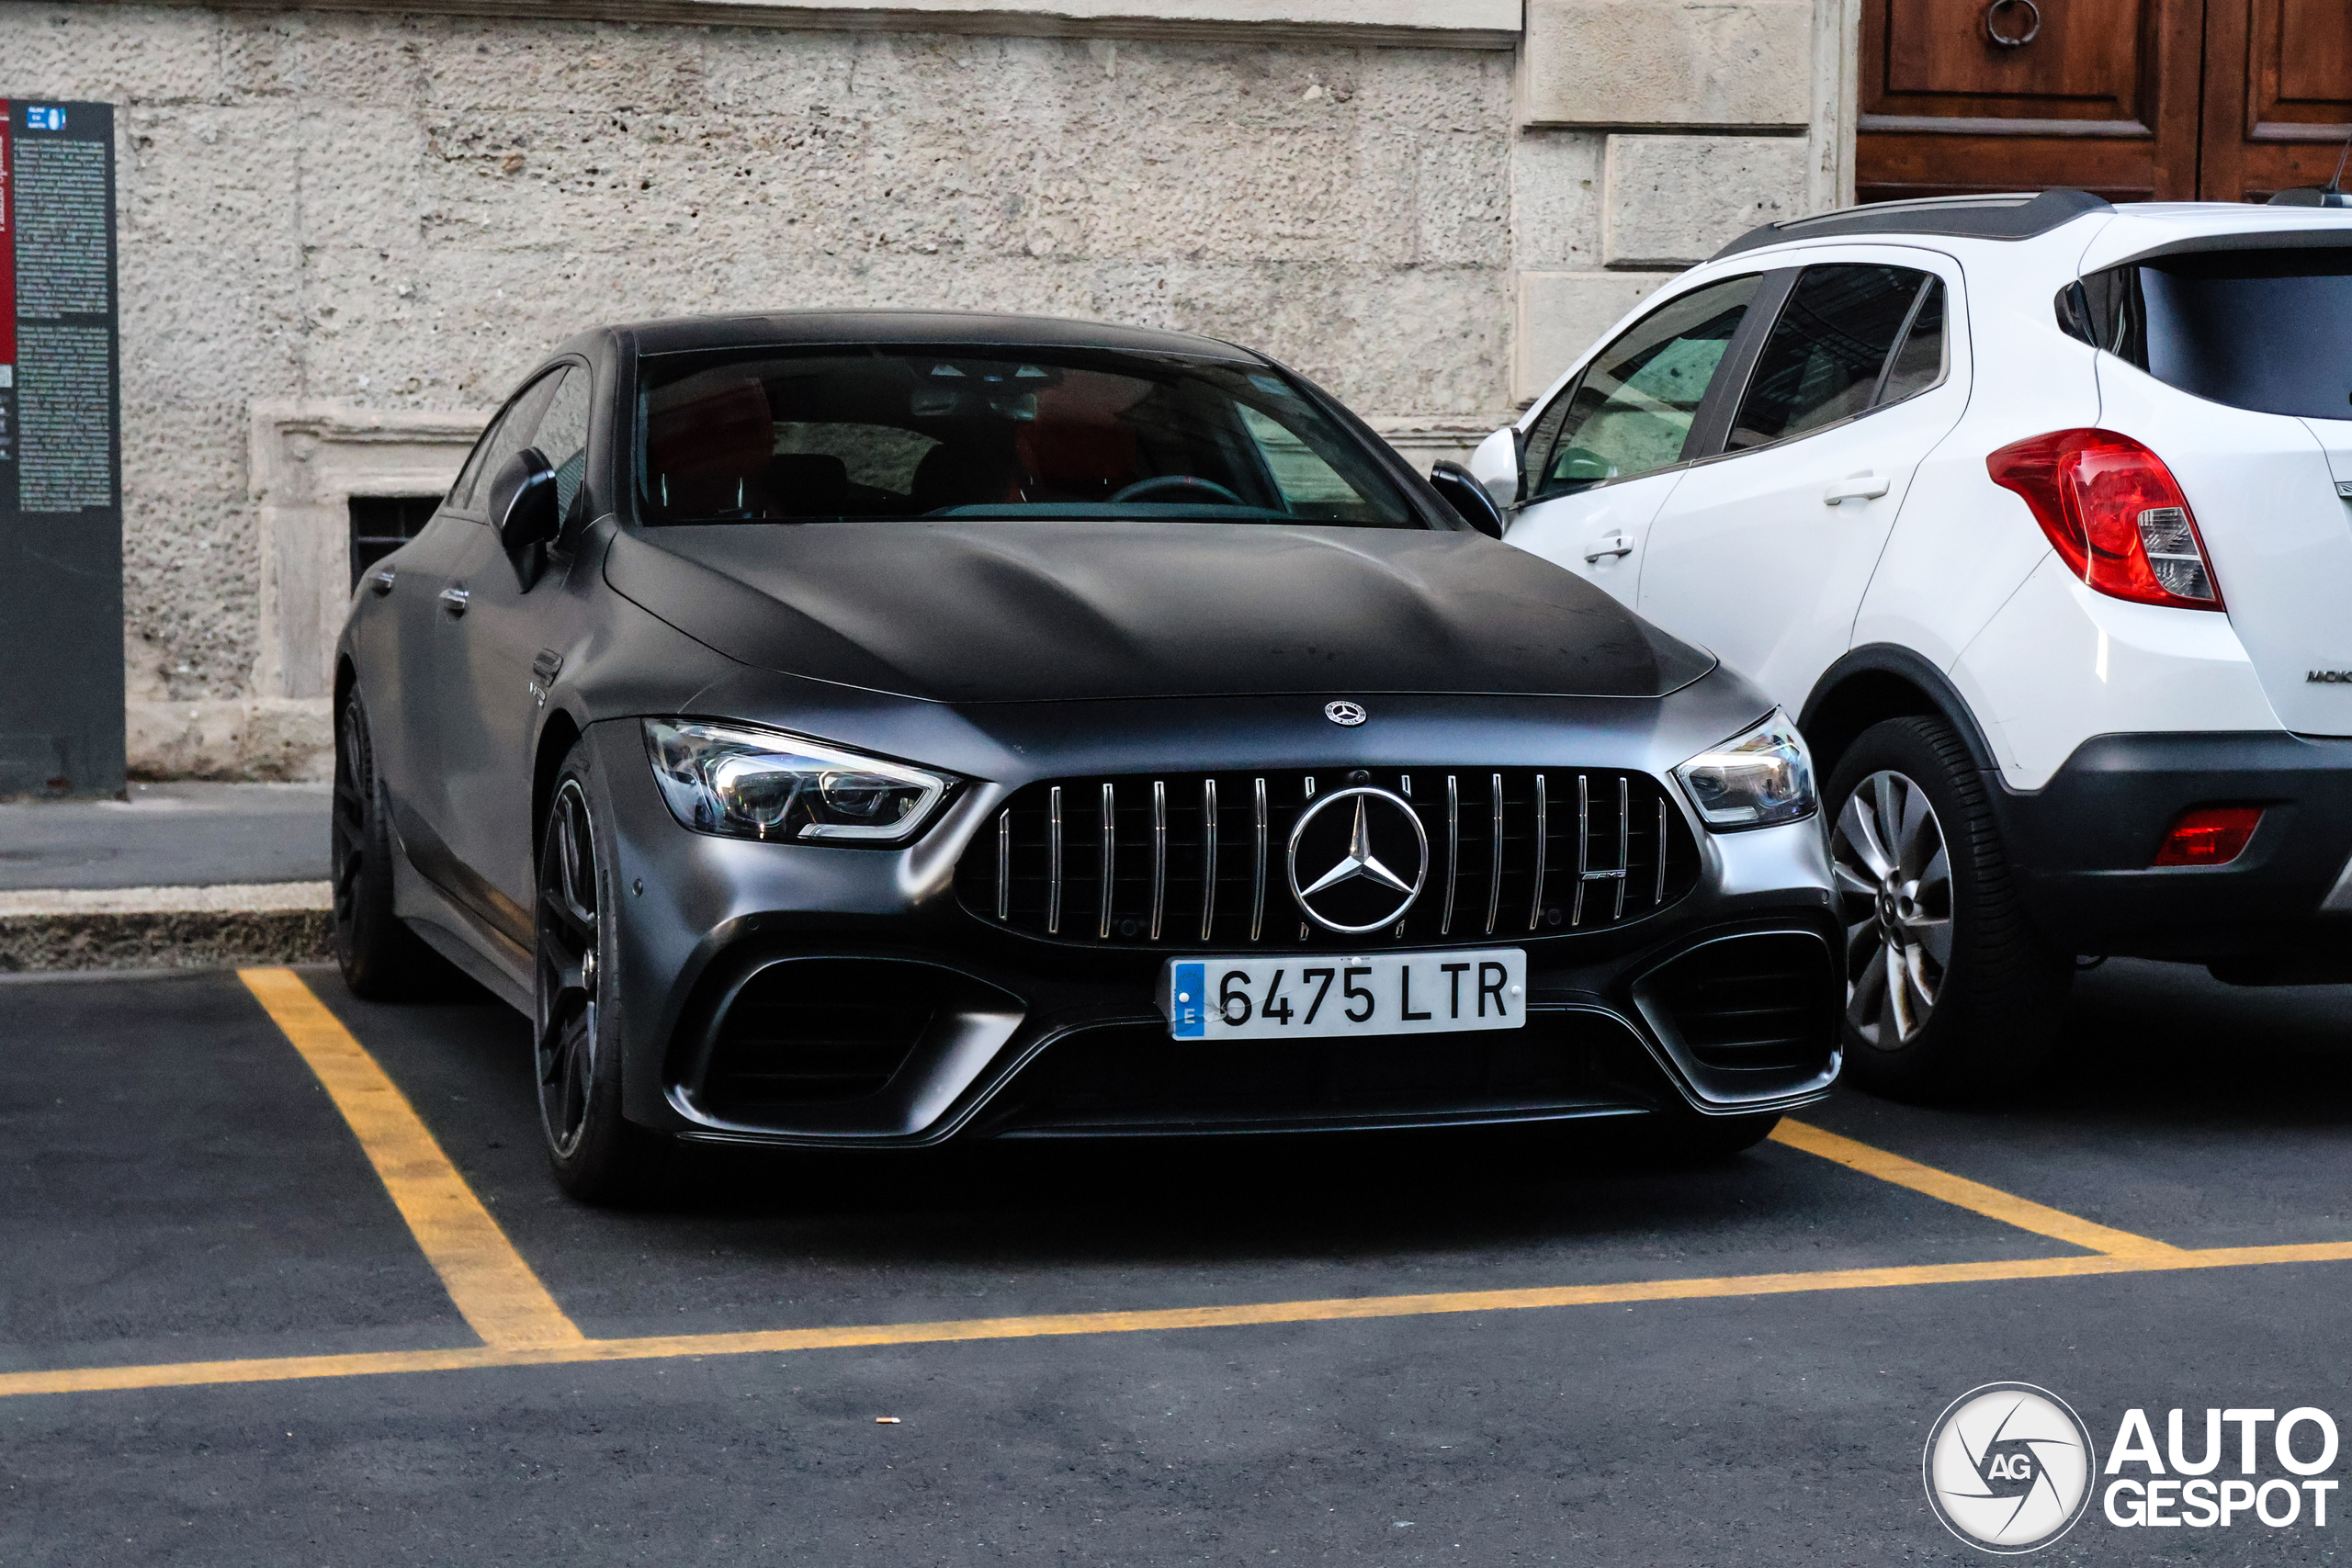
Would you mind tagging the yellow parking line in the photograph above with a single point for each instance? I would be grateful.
(486, 1277)
(84, 1379)
(2022, 1213)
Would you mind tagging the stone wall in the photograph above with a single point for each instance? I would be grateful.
(365, 217)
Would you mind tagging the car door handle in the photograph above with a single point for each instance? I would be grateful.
(454, 601)
(1620, 545)
(1854, 487)
(382, 582)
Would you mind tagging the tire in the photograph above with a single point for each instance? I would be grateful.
(1950, 994)
(596, 1153)
(381, 959)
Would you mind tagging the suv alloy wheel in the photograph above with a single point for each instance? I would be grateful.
(1947, 991)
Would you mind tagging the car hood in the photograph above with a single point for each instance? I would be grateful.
(1011, 611)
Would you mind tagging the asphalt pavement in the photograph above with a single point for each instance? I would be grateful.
(168, 835)
(1326, 1351)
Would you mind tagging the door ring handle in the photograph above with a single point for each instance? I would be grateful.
(2032, 27)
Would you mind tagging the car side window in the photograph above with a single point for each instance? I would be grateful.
(1632, 410)
(1830, 354)
(507, 434)
(1919, 363)
(563, 436)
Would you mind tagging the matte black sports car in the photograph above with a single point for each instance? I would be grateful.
(880, 728)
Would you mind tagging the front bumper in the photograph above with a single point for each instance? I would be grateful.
(2082, 845)
(1006, 1036)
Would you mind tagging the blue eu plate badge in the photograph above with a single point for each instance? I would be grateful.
(1186, 989)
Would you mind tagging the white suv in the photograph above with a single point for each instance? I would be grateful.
(2033, 510)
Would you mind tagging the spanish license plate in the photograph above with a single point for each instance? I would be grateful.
(1297, 998)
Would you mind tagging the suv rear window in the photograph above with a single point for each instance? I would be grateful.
(2265, 330)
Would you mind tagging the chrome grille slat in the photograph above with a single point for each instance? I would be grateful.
(1658, 897)
(1624, 843)
(1208, 857)
(1495, 873)
(1161, 874)
(1543, 840)
(1453, 849)
(1110, 855)
(1005, 865)
(1159, 853)
(1054, 906)
(1258, 895)
(1584, 845)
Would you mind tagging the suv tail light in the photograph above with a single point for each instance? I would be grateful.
(2208, 835)
(2115, 512)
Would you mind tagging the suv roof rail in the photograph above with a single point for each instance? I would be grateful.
(2018, 215)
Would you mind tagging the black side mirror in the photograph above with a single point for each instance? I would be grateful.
(522, 500)
(1468, 497)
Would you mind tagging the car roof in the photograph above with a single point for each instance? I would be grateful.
(2131, 231)
(2015, 215)
(930, 328)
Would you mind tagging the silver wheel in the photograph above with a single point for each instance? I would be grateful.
(568, 929)
(1894, 896)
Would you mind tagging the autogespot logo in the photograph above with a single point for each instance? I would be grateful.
(2008, 1467)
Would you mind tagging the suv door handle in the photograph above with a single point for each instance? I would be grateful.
(1854, 487)
(1619, 545)
(454, 601)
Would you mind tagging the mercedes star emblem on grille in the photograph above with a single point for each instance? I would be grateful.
(1349, 713)
(1375, 853)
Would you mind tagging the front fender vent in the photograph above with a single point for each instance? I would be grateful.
(1193, 861)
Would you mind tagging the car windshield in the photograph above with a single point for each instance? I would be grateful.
(839, 436)
(2269, 330)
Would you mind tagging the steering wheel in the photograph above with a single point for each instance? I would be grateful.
(1186, 482)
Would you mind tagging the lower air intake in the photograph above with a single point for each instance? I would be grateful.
(1765, 1004)
(815, 1031)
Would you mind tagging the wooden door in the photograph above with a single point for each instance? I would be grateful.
(2278, 104)
(2099, 94)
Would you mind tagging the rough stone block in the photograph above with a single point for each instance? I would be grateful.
(117, 54)
(1668, 62)
(1556, 189)
(1674, 201)
(359, 175)
(492, 62)
(1562, 314)
(256, 738)
(1462, 200)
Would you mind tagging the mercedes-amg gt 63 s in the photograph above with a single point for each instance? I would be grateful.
(880, 728)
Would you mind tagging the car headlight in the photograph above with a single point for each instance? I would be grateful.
(757, 784)
(1753, 780)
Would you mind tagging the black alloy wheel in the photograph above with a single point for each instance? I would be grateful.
(596, 1153)
(569, 938)
(381, 959)
(1949, 991)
